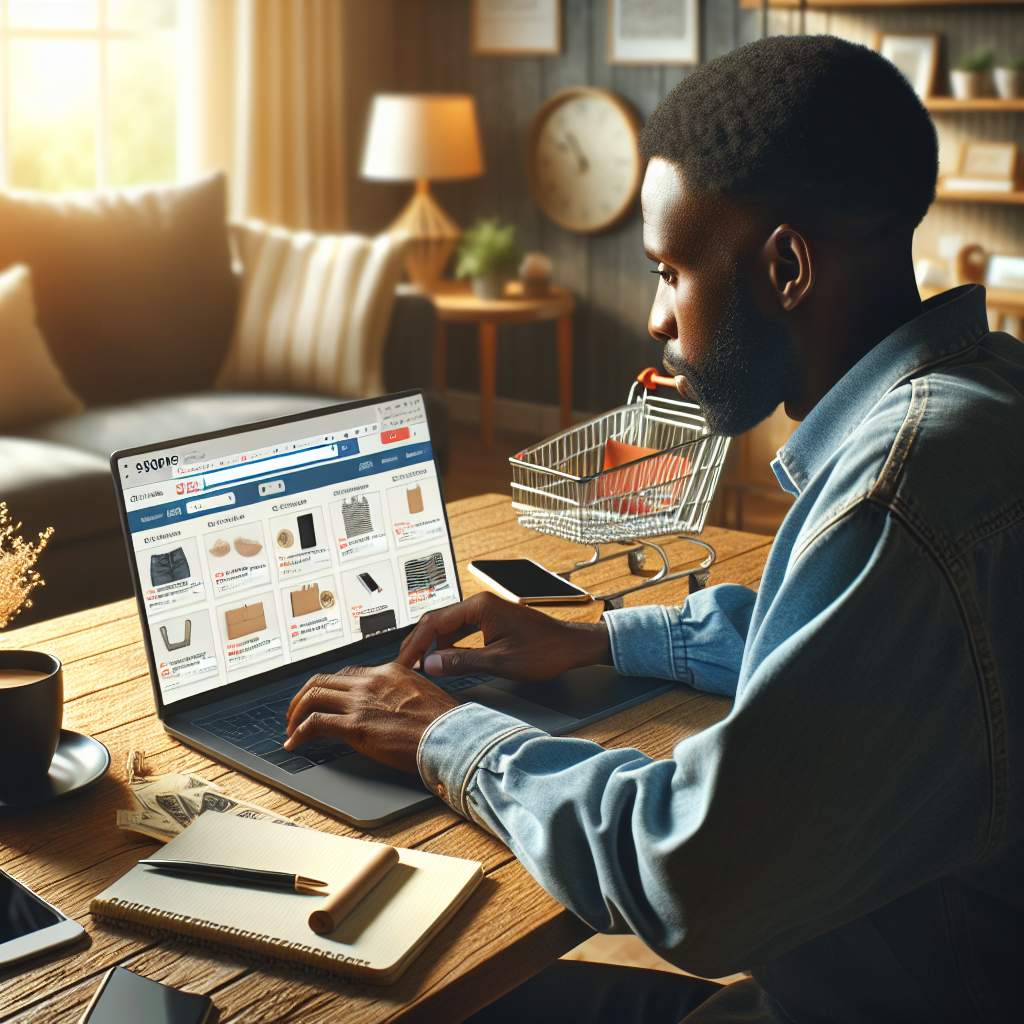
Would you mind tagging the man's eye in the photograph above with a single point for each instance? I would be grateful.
(664, 273)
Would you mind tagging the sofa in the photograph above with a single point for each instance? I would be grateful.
(165, 320)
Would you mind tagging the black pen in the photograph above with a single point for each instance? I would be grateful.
(240, 876)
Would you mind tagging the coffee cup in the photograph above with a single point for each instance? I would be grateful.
(31, 713)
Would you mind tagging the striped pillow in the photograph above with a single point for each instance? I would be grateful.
(314, 311)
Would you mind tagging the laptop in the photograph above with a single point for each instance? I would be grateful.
(265, 553)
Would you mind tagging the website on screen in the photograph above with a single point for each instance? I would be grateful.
(265, 547)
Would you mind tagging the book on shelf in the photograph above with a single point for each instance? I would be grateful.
(978, 184)
(374, 943)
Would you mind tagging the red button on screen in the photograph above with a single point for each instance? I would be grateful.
(390, 436)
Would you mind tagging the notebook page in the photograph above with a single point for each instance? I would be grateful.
(394, 918)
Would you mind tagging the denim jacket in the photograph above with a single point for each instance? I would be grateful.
(851, 832)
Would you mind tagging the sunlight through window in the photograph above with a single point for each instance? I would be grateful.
(89, 93)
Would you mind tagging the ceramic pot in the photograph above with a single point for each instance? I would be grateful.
(535, 273)
(490, 286)
(1009, 83)
(31, 715)
(969, 85)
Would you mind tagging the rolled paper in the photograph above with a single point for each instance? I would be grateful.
(338, 905)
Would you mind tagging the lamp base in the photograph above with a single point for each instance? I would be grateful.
(432, 237)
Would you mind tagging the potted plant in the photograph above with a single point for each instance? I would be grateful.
(1009, 78)
(488, 256)
(971, 76)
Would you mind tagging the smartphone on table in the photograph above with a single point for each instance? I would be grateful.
(127, 998)
(525, 581)
(29, 926)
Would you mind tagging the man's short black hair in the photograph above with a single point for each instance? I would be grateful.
(808, 123)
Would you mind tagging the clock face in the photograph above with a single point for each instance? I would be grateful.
(582, 159)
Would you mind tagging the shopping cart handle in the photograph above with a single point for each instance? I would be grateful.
(650, 378)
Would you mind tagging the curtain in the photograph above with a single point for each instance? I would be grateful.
(265, 102)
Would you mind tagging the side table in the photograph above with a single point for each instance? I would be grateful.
(456, 304)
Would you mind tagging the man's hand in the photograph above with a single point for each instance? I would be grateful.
(380, 710)
(521, 643)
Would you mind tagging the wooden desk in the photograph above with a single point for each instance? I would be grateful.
(508, 930)
(456, 304)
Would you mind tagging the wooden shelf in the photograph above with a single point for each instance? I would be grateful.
(819, 4)
(985, 104)
(958, 195)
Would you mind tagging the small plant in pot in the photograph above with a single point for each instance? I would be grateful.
(971, 77)
(1009, 78)
(488, 256)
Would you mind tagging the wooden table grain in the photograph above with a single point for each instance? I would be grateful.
(508, 930)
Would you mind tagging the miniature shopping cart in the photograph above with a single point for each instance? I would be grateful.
(562, 486)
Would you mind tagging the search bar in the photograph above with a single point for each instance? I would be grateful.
(224, 476)
(214, 501)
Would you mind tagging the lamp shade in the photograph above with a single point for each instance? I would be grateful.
(415, 136)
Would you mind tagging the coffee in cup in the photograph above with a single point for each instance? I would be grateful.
(31, 713)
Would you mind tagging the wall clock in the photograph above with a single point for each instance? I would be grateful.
(582, 159)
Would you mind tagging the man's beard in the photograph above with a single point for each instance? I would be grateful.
(749, 367)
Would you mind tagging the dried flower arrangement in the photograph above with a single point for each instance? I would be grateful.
(17, 577)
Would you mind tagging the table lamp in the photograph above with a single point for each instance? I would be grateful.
(419, 137)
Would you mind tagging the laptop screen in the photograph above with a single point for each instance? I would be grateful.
(266, 546)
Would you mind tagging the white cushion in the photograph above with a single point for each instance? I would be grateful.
(32, 388)
(314, 311)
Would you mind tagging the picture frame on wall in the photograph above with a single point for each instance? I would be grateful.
(515, 28)
(995, 160)
(653, 32)
(915, 54)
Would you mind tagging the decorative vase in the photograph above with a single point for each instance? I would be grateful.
(969, 85)
(1009, 82)
(490, 286)
(535, 273)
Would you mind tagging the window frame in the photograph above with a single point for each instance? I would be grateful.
(101, 35)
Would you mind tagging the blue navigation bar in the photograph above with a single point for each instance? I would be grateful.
(295, 482)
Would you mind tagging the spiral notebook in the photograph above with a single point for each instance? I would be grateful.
(375, 943)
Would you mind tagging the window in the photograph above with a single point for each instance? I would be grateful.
(88, 93)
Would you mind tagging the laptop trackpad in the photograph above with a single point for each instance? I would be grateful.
(517, 707)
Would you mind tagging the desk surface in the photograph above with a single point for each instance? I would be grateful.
(509, 929)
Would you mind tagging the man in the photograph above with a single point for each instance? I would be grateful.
(851, 832)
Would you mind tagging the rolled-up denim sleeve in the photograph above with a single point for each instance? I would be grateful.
(701, 643)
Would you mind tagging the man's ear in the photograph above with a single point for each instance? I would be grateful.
(787, 256)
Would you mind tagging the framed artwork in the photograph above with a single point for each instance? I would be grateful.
(917, 56)
(995, 160)
(516, 28)
(653, 32)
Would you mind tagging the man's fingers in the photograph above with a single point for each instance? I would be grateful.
(443, 624)
(448, 625)
(314, 726)
(330, 694)
(464, 661)
(318, 680)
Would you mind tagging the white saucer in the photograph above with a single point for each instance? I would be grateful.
(79, 762)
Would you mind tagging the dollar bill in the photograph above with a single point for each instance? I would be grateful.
(152, 825)
(221, 803)
(166, 805)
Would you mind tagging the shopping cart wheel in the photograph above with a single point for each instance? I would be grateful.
(636, 561)
(698, 581)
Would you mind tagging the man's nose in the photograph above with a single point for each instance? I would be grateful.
(662, 322)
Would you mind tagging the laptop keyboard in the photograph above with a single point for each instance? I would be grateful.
(260, 727)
